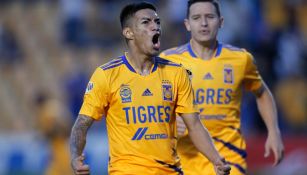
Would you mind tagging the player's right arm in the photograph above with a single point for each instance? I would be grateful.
(77, 144)
(201, 138)
(93, 108)
(197, 132)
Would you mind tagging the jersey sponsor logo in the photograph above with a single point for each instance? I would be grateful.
(208, 96)
(147, 93)
(147, 114)
(167, 91)
(125, 93)
(141, 134)
(228, 74)
(89, 87)
(208, 76)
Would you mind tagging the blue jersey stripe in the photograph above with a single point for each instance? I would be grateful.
(239, 167)
(155, 65)
(233, 48)
(108, 65)
(166, 62)
(177, 50)
(170, 64)
(236, 129)
(182, 48)
(219, 49)
(112, 66)
(241, 152)
(111, 62)
(127, 64)
(191, 51)
(174, 167)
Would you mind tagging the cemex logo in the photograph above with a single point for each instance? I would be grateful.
(141, 133)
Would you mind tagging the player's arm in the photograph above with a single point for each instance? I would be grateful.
(267, 109)
(203, 142)
(77, 144)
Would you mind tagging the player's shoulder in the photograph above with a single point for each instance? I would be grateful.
(169, 66)
(165, 62)
(113, 63)
(175, 50)
(240, 53)
(234, 49)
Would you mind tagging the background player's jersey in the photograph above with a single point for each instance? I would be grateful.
(140, 113)
(217, 85)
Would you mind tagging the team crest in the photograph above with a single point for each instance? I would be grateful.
(125, 93)
(228, 74)
(89, 87)
(167, 91)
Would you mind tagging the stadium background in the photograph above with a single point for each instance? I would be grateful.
(49, 48)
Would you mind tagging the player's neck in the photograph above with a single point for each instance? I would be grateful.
(142, 64)
(205, 51)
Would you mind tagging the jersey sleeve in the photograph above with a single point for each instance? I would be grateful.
(252, 79)
(95, 99)
(185, 97)
(168, 57)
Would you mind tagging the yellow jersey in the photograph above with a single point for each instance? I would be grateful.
(217, 85)
(140, 114)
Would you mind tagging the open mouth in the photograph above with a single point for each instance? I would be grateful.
(156, 41)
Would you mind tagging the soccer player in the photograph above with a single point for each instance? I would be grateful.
(219, 72)
(140, 94)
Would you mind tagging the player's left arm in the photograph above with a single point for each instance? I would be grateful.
(203, 142)
(267, 108)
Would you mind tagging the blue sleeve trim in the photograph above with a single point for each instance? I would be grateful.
(191, 51)
(127, 64)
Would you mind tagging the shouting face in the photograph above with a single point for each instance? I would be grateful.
(143, 32)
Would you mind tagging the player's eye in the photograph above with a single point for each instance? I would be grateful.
(195, 17)
(145, 22)
(211, 16)
(158, 22)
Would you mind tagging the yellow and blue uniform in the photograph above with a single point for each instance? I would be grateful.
(140, 114)
(217, 85)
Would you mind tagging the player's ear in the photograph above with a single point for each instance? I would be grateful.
(187, 25)
(221, 22)
(127, 32)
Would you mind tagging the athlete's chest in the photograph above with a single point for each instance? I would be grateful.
(221, 72)
(140, 100)
(152, 90)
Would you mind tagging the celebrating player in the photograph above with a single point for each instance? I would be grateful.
(140, 94)
(218, 72)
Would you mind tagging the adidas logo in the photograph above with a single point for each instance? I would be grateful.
(147, 93)
(208, 76)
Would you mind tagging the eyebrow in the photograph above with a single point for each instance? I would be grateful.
(147, 18)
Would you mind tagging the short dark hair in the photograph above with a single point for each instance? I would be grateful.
(214, 2)
(129, 10)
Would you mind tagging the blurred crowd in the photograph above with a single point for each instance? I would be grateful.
(49, 48)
